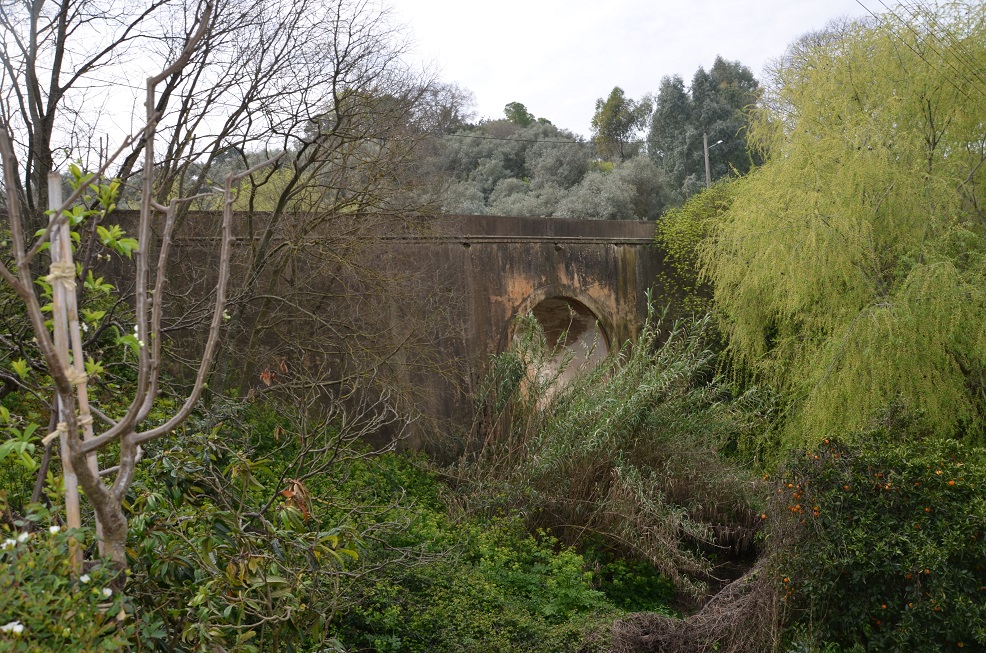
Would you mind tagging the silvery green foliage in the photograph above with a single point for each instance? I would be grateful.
(515, 170)
(635, 190)
(600, 196)
(650, 184)
(464, 197)
(500, 168)
(507, 187)
(551, 163)
(531, 200)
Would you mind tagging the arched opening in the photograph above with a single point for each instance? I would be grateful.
(574, 332)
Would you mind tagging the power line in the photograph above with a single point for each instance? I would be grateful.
(928, 43)
(954, 44)
(920, 55)
(524, 140)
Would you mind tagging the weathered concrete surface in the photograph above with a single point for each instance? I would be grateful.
(473, 274)
(502, 267)
(509, 264)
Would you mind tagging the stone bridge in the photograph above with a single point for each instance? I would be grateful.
(509, 266)
(588, 279)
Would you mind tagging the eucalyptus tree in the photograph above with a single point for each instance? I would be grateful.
(672, 129)
(717, 105)
(616, 123)
(849, 270)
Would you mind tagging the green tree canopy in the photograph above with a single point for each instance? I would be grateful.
(672, 119)
(850, 271)
(518, 114)
(616, 123)
(717, 103)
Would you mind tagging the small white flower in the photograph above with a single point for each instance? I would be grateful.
(14, 627)
(107, 592)
(54, 529)
(85, 327)
(141, 343)
(84, 578)
(8, 544)
(23, 536)
(136, 332)
(226, 315)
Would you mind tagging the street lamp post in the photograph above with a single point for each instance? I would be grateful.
(707, 147)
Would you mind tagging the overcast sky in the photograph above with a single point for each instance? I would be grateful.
(558, 56)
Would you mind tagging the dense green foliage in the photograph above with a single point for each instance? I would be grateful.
(888, 542)
(232, 546)
(481, 585)
(43, 607)
(628, 454)
(504, 168)
(718, 104)
(518, 114)
(849, 271)
(526, 166)
(680, 233)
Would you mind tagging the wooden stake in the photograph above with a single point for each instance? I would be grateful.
(60, 289)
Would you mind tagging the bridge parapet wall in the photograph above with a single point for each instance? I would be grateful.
(510, 264)
(485, 270)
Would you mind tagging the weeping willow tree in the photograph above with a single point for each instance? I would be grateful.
(850, 270)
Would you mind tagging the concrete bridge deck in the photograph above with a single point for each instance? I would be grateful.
(479, 272)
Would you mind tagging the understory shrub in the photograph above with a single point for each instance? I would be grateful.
(236, 546)
(885, 542)
(44, 607)
(363, 556)
(456, 582)
(629, 454)
(238, 540)
(484, 587)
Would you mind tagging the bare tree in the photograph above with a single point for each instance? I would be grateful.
(52, 54)
(324, 86)
(62, 351)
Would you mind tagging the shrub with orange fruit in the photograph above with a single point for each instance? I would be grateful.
(892, 554)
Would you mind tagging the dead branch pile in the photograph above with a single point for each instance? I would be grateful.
(743, 617)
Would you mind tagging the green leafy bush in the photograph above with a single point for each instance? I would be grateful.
(362, 556)
(228, 548)
(440, 580)
(44, 608)
(483, 586)
(680, 233)
(889, 542)
(635, 586)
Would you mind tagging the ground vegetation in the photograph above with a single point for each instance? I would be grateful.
(796, 467)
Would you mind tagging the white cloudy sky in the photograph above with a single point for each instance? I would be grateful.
(558, 56)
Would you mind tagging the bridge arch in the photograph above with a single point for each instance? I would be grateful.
(563, 310)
